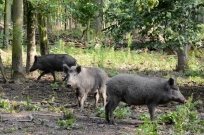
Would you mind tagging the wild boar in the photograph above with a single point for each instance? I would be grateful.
(51, 63)
(140, 90)
(85, 80)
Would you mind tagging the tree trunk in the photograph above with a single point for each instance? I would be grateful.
(49, 23)
(182, 59)
(98, 20)
(88, 29)
(31, 47)
(2, 70)
(17, 62)
(76, 26)
(7, 17)
(42, 26)
(65, 20)
(70, 18)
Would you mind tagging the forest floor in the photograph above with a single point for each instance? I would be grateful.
(46, 120)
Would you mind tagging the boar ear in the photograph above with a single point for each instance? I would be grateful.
(65, 68)
(36, 58)
(171, 82)
(78, 69)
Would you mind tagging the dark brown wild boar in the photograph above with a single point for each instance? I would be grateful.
(51, 63)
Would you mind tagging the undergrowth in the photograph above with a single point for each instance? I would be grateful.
(184, 120)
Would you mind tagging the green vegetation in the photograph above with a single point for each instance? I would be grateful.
(122, 111)
(14, 106)
(54, 85)
(125, 61)
(9, 130)
(184, 120)
(68, 122)
(100, 112)
(6, 105)
(135, 26)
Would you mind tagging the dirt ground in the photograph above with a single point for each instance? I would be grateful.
(45, 121)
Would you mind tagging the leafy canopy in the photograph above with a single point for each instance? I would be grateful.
(175, 21)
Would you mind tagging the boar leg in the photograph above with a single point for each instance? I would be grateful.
(43, 73)
(78, 97)
(104, 99)
(110, 107)
(107, 111)
(151, 108)
(103, 91)
(82, 101)
(96, 98)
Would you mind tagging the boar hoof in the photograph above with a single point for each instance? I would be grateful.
(112, 123)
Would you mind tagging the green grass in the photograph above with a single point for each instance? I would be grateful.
(68, 122)
(155, 64)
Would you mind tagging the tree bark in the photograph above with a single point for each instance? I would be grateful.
(49, 23)
(7, 17)
(17, 62)
(42, 26)
(98, 20)
(182, 59)
(88, 29)
(70, 18)
(65, 20)
(31, 47)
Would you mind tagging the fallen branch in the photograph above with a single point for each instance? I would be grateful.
(29, 120)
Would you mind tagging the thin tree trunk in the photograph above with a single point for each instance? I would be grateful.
(31, 47)
(70, 18)
(42, 26)
(49, 23)
(182, 59)
(7, 17)
(76, 26)
(88, 29)
(17, 62)
(98, 20)
(25, 10)
(65, 20)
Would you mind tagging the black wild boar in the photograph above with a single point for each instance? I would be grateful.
(85, 80)
(51, 63)
(140, 90)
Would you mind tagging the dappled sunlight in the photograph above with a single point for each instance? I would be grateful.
(154, 63)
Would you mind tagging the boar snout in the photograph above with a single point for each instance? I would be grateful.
(69, 85)
(183, 100)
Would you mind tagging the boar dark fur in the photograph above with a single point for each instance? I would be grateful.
(140, 90)
(51, 63)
